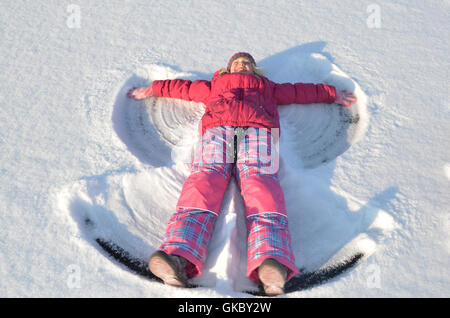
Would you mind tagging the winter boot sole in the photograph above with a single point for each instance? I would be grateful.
(273, 276)
(163, 266)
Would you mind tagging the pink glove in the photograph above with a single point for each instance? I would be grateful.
(140, 93)
(345, 98)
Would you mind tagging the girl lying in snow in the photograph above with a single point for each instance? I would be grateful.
(240, 129)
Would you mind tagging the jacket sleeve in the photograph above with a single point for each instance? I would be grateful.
(304, 93)
(197, 91)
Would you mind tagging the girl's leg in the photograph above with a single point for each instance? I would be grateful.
(187, 235)
(190, 228)
(265, 211)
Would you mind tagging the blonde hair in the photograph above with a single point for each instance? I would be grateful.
(258, 71)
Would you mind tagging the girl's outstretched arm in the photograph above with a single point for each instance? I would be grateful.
(307, 93)
(197, 91)
(304, 93)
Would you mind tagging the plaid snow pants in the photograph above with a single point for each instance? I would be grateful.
(250, 154)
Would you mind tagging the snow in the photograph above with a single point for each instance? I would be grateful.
(73, 146)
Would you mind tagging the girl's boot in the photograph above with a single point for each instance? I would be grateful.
(273, 276)
(169, 268)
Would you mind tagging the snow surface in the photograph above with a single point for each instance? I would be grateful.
(73, 146)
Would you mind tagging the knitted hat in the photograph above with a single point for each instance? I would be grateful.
(240, 54)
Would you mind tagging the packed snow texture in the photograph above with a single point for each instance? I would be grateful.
(374, 178)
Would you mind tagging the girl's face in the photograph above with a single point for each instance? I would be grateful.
(241, 65)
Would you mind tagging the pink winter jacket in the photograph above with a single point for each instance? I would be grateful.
(243, 99)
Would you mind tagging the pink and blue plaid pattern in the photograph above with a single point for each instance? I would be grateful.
(188, 234)
(258, 154)
(268, 237)
(212, 153)
(256, 165)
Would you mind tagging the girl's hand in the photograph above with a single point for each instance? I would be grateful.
(140, 93)
(345, 98)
